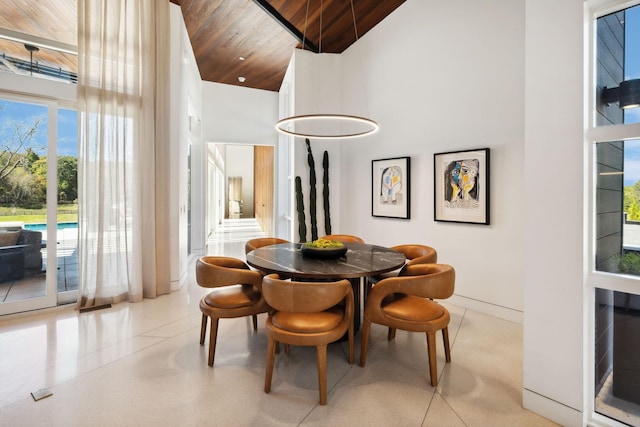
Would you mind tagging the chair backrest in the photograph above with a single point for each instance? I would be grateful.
(216, 271)
(262, 241)
(431, 280)
(418, 254)
(305, 297)
(344, 238)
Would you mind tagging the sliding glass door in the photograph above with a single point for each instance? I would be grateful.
(38, 204)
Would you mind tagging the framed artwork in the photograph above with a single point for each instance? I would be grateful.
(461, 186)
(391, 187)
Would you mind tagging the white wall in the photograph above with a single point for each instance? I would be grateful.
(554, 168)
(185, 95)
(234, 114)
(315, 91)
(27, 85)
(445, 76)
(285, 217)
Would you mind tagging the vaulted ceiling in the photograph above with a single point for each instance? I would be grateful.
(42, 20)
(233, 40)
(266, 32)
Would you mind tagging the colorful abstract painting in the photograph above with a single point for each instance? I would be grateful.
(461, 182)
(390, 187)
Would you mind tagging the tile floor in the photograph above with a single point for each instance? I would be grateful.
(142, 365)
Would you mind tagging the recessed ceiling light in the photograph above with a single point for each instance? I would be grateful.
(241, 79)
(241, 58)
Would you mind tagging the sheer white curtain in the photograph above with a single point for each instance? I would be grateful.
(123, 64)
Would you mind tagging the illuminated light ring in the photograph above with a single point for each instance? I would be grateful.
(297, 119)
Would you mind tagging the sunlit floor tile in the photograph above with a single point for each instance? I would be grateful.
(440, 414)
(483, 383)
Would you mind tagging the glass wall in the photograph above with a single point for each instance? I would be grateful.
(614, 138)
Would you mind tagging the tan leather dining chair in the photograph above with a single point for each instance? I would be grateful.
(307, 314)
(237, 293)
(406, 302)
(415, 254)
(344, 238)
(262, 241)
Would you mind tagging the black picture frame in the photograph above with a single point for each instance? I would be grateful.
(391, 188)
(461, 186)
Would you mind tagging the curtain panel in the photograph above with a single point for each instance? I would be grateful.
(123, 82)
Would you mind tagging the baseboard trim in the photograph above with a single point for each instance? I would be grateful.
(494, 310)
(94, 308)
(551, 409)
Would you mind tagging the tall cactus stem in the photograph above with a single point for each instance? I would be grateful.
(302, 226)
(312, 194)
(325, 193)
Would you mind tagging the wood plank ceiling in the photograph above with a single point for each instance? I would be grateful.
(263, 32)
(45, 19)
(223, 31)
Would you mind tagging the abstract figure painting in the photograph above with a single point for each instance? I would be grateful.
(461, 181)
(390, 179)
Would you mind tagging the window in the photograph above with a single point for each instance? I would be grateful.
(38, 175)
(614, 282)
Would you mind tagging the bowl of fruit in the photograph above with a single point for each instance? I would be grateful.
(323, 248)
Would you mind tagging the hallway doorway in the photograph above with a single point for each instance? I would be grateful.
(240, 196)
(232, 234)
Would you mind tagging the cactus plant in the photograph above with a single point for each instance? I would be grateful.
(302, 226)
(325, 193)
(312, 194)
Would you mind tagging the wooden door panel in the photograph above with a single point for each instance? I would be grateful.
(263, 187)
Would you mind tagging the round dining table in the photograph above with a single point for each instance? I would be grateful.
(360, 260)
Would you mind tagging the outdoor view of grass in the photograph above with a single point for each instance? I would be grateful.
(66, 213)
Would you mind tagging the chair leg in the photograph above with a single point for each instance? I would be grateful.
(212, 339)
(255, 322)
(351, 357)
(391, 334)
(369, 282)
(203, 328)
(287, 348)
(271, 354)
(321, 351)
(366, 327)
(445, 338)
(431, 348)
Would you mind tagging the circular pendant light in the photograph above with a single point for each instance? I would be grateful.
(363, 126)
(327, 126)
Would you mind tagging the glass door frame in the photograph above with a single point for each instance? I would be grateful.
(50, 299)
(594, 134)
(65, 297)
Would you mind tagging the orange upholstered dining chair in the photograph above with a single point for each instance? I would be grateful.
(262, 241)
(418, 254)
(415, 254)
(236, 293)
(344, 238)
(407, 302)
(307, 314)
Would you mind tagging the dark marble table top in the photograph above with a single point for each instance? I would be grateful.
(360, 260)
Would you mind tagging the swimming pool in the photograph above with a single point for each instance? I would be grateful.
(43, 227)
